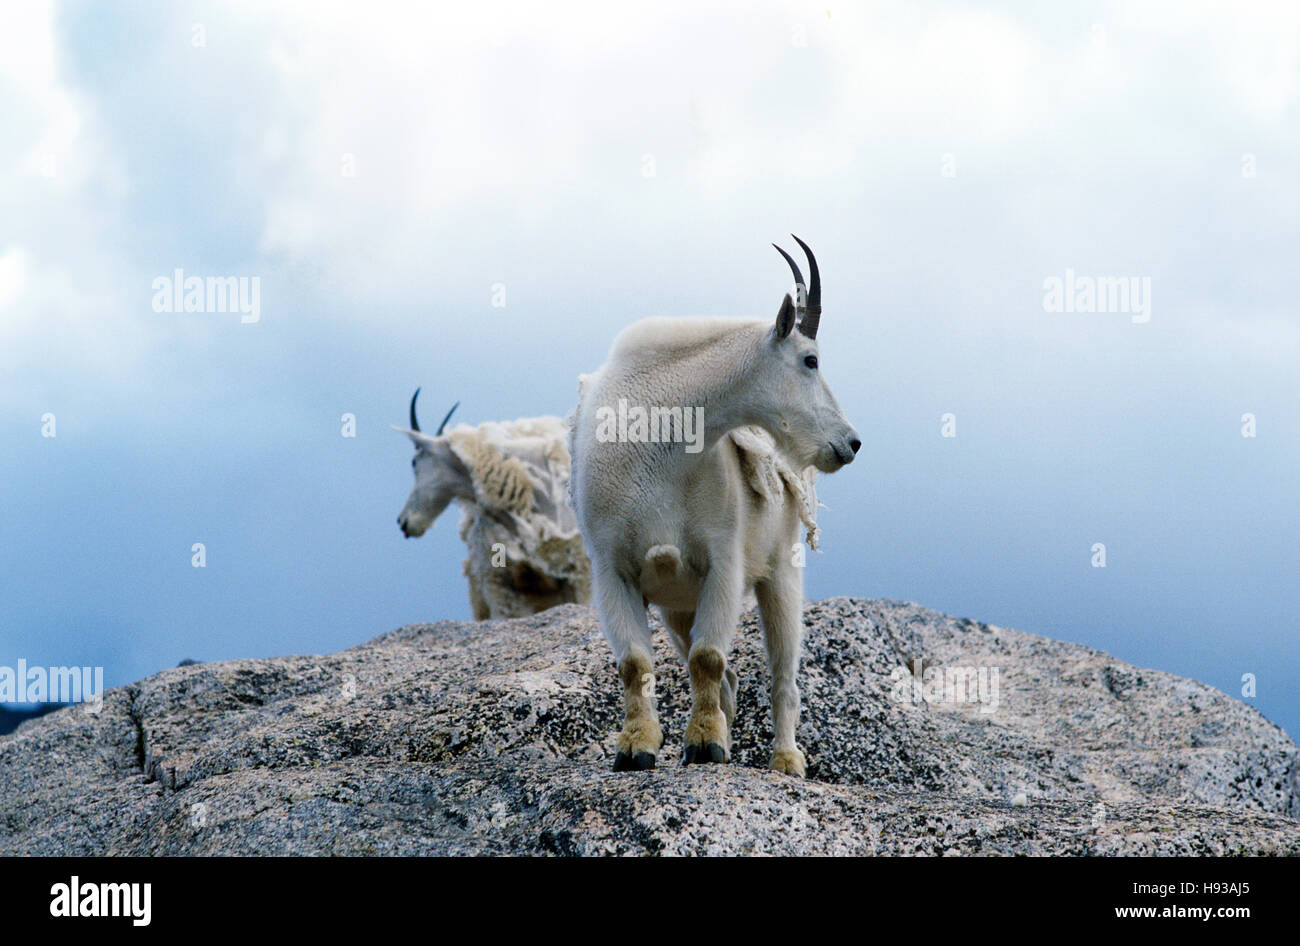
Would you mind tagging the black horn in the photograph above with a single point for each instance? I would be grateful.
(447, 418)
(813, 314)
(802, 294)
(415, 424)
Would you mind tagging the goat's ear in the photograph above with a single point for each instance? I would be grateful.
(785, 318)
(415, 436)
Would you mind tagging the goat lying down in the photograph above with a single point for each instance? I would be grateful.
(689, 531)
(511, 480)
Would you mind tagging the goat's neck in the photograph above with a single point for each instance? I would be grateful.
(729, 397)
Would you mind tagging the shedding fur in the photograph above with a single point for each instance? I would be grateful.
(500, 482)
(768, 474)
(511, 480)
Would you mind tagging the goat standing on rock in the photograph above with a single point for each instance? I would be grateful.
(689, 530)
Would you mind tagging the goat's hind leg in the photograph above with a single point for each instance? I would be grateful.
(730, 683)
(623, 618)
(780, 605)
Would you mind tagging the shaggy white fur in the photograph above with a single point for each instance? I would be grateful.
(511, 480)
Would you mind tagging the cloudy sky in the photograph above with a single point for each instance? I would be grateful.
(385, 171)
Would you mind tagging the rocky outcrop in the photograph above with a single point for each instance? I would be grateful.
(497, 738)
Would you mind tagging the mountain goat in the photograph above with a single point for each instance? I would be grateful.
(511, 480)
(690, 526)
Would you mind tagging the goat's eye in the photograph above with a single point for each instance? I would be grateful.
(811, 362)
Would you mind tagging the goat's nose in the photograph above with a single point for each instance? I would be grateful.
(855, 444)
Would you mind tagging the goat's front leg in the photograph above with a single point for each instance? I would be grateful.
(780, 605)
(708, 736)
(642, 737)
(679, 623)
(623, 619)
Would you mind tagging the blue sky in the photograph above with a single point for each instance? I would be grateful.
(943, 159)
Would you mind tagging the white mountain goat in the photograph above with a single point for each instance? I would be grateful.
(680, 523)
(511, 480)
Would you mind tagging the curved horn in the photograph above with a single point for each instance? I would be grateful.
(802, 295)
(813, 315)
(415, 424)
(447, 418)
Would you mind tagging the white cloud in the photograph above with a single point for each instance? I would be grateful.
(13, 277)
(43, 118)
(476, 127)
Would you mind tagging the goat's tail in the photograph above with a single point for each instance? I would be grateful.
(664, 561)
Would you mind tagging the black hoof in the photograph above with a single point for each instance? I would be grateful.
(709, 752)
(634, 763)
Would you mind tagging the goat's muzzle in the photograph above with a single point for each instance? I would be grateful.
(845, 448)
